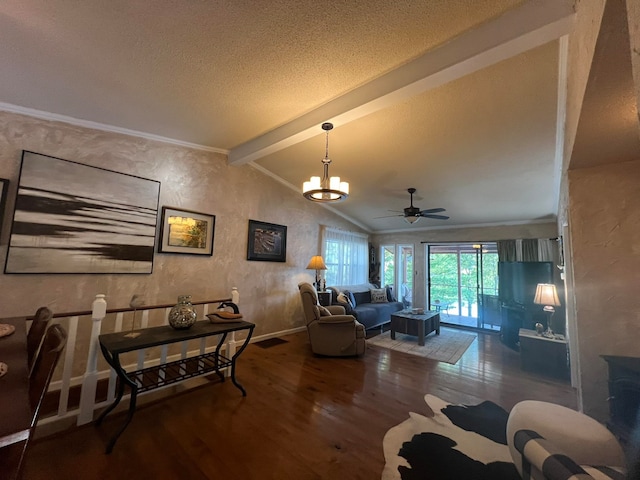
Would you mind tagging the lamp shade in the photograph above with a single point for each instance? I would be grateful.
(316, 263)
(546, 294)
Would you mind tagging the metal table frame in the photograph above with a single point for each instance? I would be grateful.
(150, 378)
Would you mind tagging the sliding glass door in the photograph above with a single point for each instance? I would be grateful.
(463, 284)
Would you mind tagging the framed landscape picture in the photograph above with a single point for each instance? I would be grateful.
(267, 242)
(75, 218)
(184, 231)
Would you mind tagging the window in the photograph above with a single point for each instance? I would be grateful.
(346, 257)
(397, 271)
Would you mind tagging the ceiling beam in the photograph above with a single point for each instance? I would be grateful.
(530, 25)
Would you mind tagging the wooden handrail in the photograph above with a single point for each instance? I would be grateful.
(129, 309)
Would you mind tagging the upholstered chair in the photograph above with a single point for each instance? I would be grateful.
(552, 442)
(331, 332)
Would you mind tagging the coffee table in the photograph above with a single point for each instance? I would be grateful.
(419, 325)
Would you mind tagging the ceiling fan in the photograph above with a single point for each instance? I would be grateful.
(412, 214)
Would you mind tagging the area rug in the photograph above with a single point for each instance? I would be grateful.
(446, 347)
(450, 442)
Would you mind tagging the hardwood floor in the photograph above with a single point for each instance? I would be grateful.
(304, 417)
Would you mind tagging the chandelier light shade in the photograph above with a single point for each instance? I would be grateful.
(325, 189)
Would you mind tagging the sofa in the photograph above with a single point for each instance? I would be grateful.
(366, 302)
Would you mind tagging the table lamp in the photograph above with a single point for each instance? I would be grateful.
(547, 295)
(317, 263)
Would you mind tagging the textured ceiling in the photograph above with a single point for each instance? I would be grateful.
(445, 96)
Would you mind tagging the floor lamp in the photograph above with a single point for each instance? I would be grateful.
(317, 263)
(547, 295)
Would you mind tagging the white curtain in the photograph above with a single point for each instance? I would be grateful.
(346, 256)
(545, 249)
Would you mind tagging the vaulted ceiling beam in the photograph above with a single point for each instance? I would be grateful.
(528, 26)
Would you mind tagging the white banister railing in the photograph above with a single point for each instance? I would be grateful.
(80, 340)
(90, 383)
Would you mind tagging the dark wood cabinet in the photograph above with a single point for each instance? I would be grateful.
(544, 355)
(624, 394)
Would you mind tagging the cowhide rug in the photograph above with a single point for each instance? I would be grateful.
(453, 442)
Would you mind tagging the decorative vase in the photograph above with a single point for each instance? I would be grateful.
(183, 315)
(539, 328)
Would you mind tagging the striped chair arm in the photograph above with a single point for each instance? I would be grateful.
(540, 455)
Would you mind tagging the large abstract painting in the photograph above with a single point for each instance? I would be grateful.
(74, 218)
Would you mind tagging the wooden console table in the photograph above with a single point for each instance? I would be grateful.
(150, 378)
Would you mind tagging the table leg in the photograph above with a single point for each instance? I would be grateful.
(393, 334)
(113, 405)
(233, 363)
(114, 362)
(421, 333)
(132, 409)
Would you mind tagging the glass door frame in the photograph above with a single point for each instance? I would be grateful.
(459, 249)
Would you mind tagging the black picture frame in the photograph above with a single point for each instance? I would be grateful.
(4, 186)
(75, 218)
(186, 232)
(267, 242)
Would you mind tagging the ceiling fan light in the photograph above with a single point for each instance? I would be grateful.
(411, 219)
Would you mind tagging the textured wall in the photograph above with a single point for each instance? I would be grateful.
(191, 179)
(605, 237)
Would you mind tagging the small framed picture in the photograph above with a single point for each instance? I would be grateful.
(267, 242)
(184, 231)
(4, 185)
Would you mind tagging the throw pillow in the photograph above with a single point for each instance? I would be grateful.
(346, 303)
(352, 298)
(324, 312)
(390, 296)
(379, 295)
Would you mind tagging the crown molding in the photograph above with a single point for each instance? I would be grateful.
(54, 117)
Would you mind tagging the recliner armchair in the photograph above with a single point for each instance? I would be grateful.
(331, 332)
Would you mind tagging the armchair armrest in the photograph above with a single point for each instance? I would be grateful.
(338, 319)
(336, 309)
(539, 454)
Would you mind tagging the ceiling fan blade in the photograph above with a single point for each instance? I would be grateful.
(397, 211)
(388, 216)
(432, 210)
(438, 217)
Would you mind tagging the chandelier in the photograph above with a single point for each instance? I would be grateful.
(325, 189)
